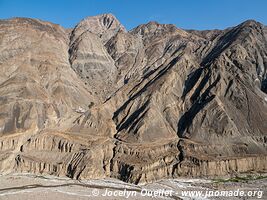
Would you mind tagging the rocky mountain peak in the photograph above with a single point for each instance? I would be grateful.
(100, 24)
(105, 26)
(154, 28)
(250, 23)
(34, 24)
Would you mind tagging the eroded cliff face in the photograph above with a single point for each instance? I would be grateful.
(154, 102)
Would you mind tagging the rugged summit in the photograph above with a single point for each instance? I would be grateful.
(154, 102)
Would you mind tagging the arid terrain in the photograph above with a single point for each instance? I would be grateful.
(31, 187)
(156, 102)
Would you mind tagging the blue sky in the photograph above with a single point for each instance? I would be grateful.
(187, 14)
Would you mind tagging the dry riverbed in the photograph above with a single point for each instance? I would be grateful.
(32, 187)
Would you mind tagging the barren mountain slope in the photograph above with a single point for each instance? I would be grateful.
(166, 102)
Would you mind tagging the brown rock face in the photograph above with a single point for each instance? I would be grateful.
(154, 102)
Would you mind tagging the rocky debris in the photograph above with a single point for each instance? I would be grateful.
(167, 102)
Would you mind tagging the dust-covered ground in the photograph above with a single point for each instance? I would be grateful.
(32, 187)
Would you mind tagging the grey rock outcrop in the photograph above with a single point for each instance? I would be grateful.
(154, 102)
